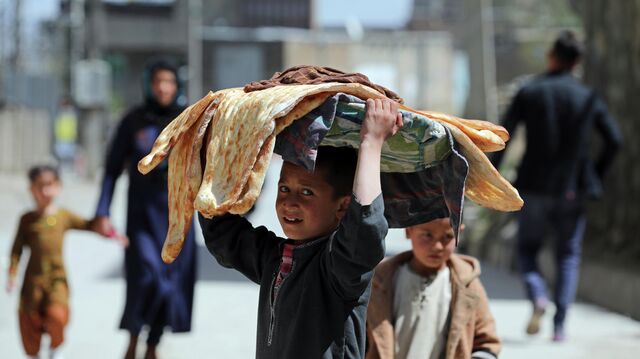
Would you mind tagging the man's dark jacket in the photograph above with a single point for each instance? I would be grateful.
(559, 114)
(320, 309)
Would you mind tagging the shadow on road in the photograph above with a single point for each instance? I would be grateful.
(500, 284)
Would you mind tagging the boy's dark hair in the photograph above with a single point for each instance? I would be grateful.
(37, 170)
(567, 49)
(338, 166)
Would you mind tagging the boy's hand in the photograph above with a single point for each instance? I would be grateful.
(120, 238)
(11, 285)
(102, 225)
(381, 121)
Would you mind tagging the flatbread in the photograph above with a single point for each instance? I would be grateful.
(474, 124)
(256, 179)
(487, 136)
(185, 177)
(173, 132)
(484, 185)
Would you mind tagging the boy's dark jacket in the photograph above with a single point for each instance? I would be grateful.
(472, 331)
(320, 310)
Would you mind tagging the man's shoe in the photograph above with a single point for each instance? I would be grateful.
(534, 322)
(558, 335)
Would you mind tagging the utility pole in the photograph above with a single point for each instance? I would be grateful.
(91, 82)
(489, 60)
(478, 41)
(77, 29)
(2, 34)
(194, 56)
(2, 53)
(14, 60)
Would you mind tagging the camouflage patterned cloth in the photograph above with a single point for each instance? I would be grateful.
(423, 174)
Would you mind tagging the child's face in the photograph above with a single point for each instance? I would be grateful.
(432, 242)
(45, 188)
(306, 206)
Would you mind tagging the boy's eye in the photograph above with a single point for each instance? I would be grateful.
(283, 188)
(307, 192)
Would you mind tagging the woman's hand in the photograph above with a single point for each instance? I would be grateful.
(11, 284)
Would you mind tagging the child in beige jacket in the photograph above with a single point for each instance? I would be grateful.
(429, 302)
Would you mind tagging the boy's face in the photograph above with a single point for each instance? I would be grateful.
(432, 242)
(306, 206)
(45, 188)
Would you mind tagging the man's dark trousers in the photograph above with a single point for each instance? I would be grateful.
(563, 220)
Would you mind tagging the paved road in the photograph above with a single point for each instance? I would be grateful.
(226, 303)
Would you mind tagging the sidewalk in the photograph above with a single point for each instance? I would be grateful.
(225, 306)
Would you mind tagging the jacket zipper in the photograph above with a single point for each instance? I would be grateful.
(272, 319)
(272, 303)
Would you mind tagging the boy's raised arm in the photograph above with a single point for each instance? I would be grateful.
(381, 121)
(358, 245)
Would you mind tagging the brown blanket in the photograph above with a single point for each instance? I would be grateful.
(313, 75)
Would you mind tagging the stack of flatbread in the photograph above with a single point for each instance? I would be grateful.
(232, 135)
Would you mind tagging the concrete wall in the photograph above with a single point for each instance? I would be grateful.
(416, 65)
(138, 28)
(25, 138)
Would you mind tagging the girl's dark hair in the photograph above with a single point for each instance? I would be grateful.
(338, 166)
(567, 49)
(37, 170)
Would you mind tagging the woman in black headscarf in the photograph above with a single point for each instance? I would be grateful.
(158, 294)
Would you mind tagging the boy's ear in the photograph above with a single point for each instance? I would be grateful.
(342, 206)
(461, 228)
(407, 232)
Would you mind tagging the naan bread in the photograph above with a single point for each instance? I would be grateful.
(254, 184)
(474, 124)
(484, 185)
(173, 132)
(485, 135)
(185, 176)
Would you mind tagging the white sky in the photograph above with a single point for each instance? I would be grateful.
(373, 13)
(33, 11)
(39, 9)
